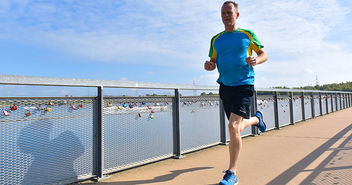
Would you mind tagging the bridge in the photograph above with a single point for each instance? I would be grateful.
(316, 151)
(176, 136)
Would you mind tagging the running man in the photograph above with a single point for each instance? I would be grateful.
(231, 52)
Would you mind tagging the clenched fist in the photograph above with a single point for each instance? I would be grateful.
(209, 65)
(251, 61)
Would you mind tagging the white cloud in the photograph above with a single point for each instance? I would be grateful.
(178, 33)
(130, 32)
(123, 79)
(207, 78)
(294, 27)
(295, 34)
(330, 66)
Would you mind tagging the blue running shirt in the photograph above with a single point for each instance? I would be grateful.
(230, 50)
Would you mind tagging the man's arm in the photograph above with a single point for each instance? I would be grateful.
(261, 58)
(210, 65)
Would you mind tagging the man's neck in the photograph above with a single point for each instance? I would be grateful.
(230, 28)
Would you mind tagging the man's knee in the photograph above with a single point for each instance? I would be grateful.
(234, 127)
(235, 123)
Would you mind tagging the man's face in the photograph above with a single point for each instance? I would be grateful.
(229, 14)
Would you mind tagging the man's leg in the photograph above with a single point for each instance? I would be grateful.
(236, 125)
(249, 122)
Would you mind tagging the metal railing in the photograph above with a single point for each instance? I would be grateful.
(69, 139)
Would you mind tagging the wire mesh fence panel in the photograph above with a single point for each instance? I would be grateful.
(199, 122)
(284, 109)
(136, 130)
(333, 103)
(343, 102)
(265, 103)
(323, 103)
(297, 108)
(308, 106)
(45, 141)
(338, 102)
(347, 102)
(316, 105)
(329, 104)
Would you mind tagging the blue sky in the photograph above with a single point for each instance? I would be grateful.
(168, 41)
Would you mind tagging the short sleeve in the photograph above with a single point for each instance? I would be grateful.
(256, 41)
(212, 52)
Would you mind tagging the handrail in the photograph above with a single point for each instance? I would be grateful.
(77, 82)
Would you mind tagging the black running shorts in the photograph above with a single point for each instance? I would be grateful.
(237, 99)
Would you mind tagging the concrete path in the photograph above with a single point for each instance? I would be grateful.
(317, 151)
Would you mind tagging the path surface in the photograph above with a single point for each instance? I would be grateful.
(317, 151)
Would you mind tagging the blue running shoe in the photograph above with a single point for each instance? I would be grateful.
(261, 125)
(229, 178)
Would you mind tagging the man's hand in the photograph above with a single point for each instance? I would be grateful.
(209, 65)
(251, 60)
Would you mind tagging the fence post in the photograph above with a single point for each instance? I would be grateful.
(340, 97)
(337, 107)
(332, 102)
(312, 104)
(276, 111)
(254, 109)
(303, 107)
(347, 100)
(320, 105)
(291, 108)
(98, 152)
(176, 125)
(222, 123)
(344, 100)
(327, 103)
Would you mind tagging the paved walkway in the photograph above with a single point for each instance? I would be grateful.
(317, 151)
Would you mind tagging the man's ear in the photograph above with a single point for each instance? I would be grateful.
(238, 14)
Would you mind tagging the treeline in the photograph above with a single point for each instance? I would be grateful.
(344, 86)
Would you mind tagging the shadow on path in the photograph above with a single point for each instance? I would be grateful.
(322, 170)
(163, 178)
